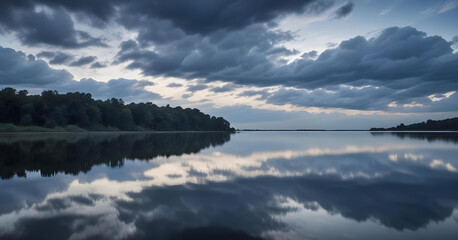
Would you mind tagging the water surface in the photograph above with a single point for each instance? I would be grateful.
(250, 185)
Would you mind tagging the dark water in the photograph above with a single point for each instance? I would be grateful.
(251, 185)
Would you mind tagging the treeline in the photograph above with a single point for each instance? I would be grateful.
(51, 110)
(450, 124)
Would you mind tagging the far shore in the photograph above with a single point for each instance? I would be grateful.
(103, 132)
(11, 129)
(244, 130)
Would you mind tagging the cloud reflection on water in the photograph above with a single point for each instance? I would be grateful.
(255, 194)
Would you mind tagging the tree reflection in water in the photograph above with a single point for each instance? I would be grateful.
(75, 153)
(259, 185)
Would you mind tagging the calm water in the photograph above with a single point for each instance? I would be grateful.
(251, 185)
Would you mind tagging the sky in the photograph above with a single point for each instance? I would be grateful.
(290, 64)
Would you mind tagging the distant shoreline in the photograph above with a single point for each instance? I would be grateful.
(240, 130)
(449, 124)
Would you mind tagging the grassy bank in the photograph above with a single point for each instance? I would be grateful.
(7, 127)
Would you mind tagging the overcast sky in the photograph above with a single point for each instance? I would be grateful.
(258, 63)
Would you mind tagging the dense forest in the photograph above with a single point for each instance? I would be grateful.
(51, 110)
(450, 124)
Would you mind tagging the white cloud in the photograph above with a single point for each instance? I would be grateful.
(385, 11)
(448, 6)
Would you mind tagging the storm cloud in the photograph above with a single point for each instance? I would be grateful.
(198, 87)
(175, 85)
(219, 56)
(399, 64)
(395, 55)
(345, 10)
(169, 19)
(56, 58)
(225, 88)
(16, 69)
(83, 61)
(98, 65)
(61, 58)
(51, 26)
(241, 44)
(19, 71)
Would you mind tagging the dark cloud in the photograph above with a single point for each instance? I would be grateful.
(101, 9)
(185, 96)
(46, 54)
(83, 61)
(250, 93)
(225, 88)
(400, 64)
(61, 58)
(198, 87)
(234, 41)
(391, 56)
(455, 40)
(344, 11)
(51, 27)
(364, 98)
(30, 57)
(210, 57)
(153, 31)
(331, 44)
(281, 52)
(206, 16)
(19, 71)
(310, 55)
(367, 98)
(175, 85)
(157, 21)
(98, 65)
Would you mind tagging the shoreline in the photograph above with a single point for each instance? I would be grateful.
(238, 131)
(108, 132)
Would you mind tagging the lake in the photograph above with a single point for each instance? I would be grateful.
(249, 185)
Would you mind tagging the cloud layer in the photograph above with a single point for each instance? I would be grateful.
(50, 26)
(20, 71)
(401, 65)
(240, 43)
